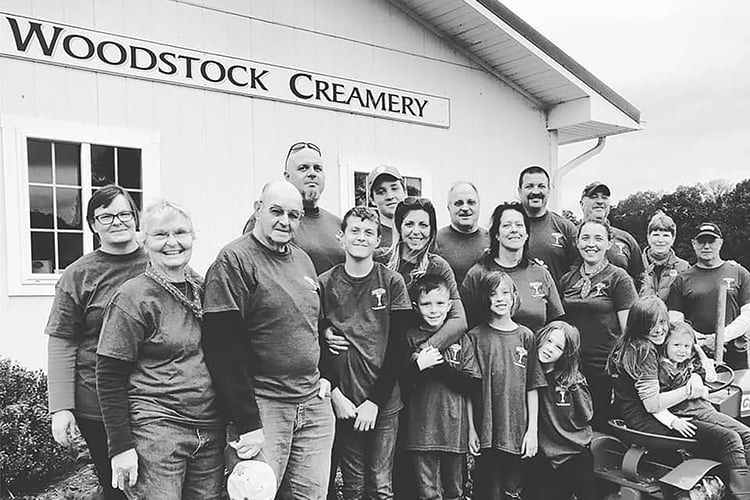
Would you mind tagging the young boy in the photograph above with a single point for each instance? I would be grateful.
(440, 429)
(369, 305)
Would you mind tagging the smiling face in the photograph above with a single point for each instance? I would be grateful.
(360, 238)
(660, 242)
(679, 347)
(304, 170)
(278, 215)
(501, 300)
(387, 192)
(659, 331)
(463, 207)
(593, 243)
(708, 250)
(552, 347)
(534, 192)
(433, 306)
(512, 232)
(169, 243)
(415, 230)
(595, 206)
(118, 234)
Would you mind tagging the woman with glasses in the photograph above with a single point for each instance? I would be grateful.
(81, 294)
(166, 438)
(508, 252)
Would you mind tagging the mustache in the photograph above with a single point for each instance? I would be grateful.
(536, 197)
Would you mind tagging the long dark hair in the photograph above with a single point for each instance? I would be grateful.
(488, 258)
(643, 316)
(410, 204)
(565, 372)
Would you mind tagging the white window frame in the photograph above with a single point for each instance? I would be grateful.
(14, 134)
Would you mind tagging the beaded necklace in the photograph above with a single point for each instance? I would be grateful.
(195, 306)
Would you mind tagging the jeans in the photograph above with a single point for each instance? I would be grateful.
(723, 437)
(498, 475)
(600, 386)
(575, 475)
(298, 442)
(177, 461)
(440, 475)
(366, 458)
(96, 439)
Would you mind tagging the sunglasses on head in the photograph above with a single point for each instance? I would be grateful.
(416, 201)
(298, 146)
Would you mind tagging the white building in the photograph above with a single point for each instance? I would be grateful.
(199, 100)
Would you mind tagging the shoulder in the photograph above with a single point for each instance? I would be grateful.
(561, 221)
(438, 264)
(525, 333)
(331, 274)
(329, 217)
(624, 235)
(568, 278)
(617, 273)
(444, 232)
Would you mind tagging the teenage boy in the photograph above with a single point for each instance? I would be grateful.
(368, 304)
(439, 427)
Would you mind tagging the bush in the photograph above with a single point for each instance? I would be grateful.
(28, 453)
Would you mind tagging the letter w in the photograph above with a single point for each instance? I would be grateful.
(35, 29)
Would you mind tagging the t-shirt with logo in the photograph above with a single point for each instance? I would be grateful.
(552, 240)
(461, 250)
(626, 254)
(695, 293)
(360, 309)
(595, 315)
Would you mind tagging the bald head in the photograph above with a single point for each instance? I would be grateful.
(463, 207)
(304, 169)
(278, 215)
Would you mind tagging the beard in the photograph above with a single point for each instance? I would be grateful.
(310, 195)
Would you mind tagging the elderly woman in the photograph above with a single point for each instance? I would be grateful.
(659, 260)
(508, 252)
(166, 438)
(81, 294)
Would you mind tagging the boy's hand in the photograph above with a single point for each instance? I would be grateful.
(336, 342)
(473, 441)
(428, 357)
(124, 469)
(367, 413)
(249, 444)
(342, 406)
(684, 427)
(529, 444)
(63, 426)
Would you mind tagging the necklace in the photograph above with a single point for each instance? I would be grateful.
(195, 306)
(585, 281)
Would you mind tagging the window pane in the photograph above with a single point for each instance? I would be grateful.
(69, 247)
(360, 188)
(69, 208)
(102, 165)
(129, 167)
(68, 164)
(413, 186)
(42, 253)
(40, 160)
(40, 207)
(137, 198)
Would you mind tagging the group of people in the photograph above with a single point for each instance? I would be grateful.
(384, 347)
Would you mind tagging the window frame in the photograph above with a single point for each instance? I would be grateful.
(15, 131)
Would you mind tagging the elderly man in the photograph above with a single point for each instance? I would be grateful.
(694, 295)
(260, 340)
(386, 188)
(552, 237)
(463, 241)
(624, 252)
(318, 228)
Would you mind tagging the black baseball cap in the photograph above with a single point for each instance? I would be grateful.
(707, 229)
(594, 187)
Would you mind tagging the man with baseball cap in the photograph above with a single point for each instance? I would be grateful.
(624, 252)
(694, 295)
(385, 188)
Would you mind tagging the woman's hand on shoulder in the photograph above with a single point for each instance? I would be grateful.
(63, 426)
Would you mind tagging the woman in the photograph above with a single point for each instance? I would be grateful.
(659, 260)
(597, 297)
(81, 295)
(166, 438)
(508, 252)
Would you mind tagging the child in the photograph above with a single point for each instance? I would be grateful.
(565, 410)
(439, 429)
(511, 377)
(369, 305)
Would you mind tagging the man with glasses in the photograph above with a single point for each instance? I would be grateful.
(260, 339)
(318, 228)
(385, 188)
(694, 295)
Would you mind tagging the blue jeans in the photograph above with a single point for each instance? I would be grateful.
(298, 442)
(177, 461)
(366, 458)
(440, 474)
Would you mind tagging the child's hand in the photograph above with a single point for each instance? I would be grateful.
(702, 393)
(342, 406)
(696, 386)
(336, 342)
(473, 442)
(529, 445)
(684, 427)
(367, 413)
(428, 357)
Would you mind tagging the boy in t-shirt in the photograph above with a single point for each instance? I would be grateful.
(368, 304)
(440, 429)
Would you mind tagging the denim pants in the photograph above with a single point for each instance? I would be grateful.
(575, 475)
(366, 458)
(723, 437)
(177, 461)
(96, 440)
(298, 443)
(498, 475)
(440, 475)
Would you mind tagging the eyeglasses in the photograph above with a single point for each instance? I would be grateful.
(181, 235)
(416, 201)
(292, 215)
(108, 219)
(298, 146)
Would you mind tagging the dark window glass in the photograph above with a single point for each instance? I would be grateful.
(69, 208)
(40, 207)
(40, 161)
(69, 247)
(129, 167)
(42, 253)
(102, 165)
(413, 186)
(137, 198)
(68, 164)
(360, 188)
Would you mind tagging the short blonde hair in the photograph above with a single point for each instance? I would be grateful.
(662, 222)
(159, 210)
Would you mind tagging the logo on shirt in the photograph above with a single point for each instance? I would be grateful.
(536, 289)
(452, 354)
(729, 282)
(377, 296)
(520, 359)
(620, 247)
(561, 393)
(598, 290)
(557, 239)
(313, 284)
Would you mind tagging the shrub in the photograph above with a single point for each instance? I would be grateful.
(28, 453)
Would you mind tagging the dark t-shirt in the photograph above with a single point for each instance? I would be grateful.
(386, 236)
(145, 325)
(277, 296)
(81, 295)
(676, 375)
(461, 250)
(595, 316)
(626, 254)
(360, 309)
(510, 368)
(552, 239)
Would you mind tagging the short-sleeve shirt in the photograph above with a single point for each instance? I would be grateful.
(626, 254)
(695, 293)
(277, 296)
(676, 375)
(360, 309)
(595, 316)
(81, 295)
(540, 301)
(145, 325)
(461, 250)
(552, 239)
(510, 368)
(386, 236)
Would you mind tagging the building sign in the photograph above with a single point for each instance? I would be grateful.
(69, 46)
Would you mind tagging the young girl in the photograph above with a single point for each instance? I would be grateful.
(565, 409)
(507, 417)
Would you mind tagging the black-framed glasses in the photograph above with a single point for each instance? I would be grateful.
(108, 219)
(299, 146)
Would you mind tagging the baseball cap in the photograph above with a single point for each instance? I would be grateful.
(707, 229)
(252, 480)
(593, 187)
(381, 170)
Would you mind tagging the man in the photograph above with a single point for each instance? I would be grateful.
(463, 241)
(260, 340)
(552, 237)
(694, 295)
(385, 187)
(624, 252)
(318, 229)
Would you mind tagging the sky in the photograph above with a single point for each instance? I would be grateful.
(684, 64)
